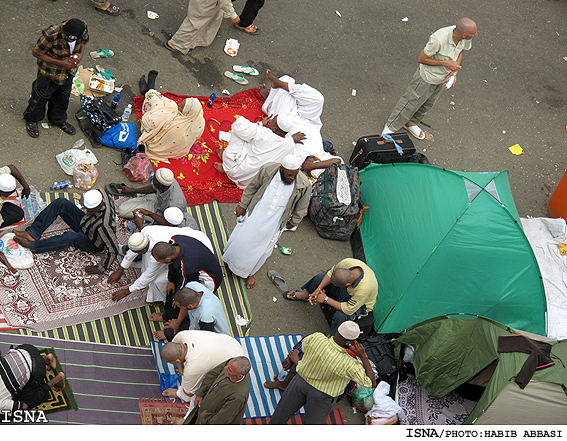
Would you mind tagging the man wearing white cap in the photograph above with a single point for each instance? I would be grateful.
(154, 273)
(252, 145)
(93, 231)
(162, 193)
(11, 213)
(323, 373)
(277, 198)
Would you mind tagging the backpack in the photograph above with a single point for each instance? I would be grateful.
(381, 352)
(334, 219)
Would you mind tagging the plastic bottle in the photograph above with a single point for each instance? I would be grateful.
(127, 113)
(79, 143)
(115, 100)
(131, 227)
(152, 173)
(283, 373)
(211, 99)
(60, 185)
(240, 219)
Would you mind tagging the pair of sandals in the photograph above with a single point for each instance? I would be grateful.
(33, 130)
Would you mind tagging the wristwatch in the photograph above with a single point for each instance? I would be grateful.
(326, 298)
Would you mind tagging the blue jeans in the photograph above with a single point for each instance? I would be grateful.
(335, 293)
(72, 216)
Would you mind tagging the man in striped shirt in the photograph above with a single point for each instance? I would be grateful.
(93, 231)
(22, 371)
(323, 373)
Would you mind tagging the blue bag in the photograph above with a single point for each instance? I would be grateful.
(120, 136)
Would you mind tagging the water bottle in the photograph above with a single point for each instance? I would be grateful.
(283, 373)
(152, 173)
(131, 227)
(127, 113)
(240, 219)
(79, 143)
(115, 100)
(59, 185)
(211, 99)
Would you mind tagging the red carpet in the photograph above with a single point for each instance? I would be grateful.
(200, 182)
(335, 418)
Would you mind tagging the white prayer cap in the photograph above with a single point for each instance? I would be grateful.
(138, 241)
(349, 330)
(92, 198)
(7, 182)
(173, 215)
(284, 122)
(164, 176)
(291, 162)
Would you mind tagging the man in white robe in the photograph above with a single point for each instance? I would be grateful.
(303, 104)
(252, 145)
(276, 198)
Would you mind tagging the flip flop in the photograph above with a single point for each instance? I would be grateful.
(102, 53)
(415, 131)
(114, 189)
(278, 281)
(239, 78)
(246, 69)
(252, 29)
(293, 295)
(172, 49)
(111, 10)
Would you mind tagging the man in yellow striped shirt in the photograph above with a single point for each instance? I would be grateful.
(323, 373)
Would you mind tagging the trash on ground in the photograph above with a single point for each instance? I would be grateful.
(452, 103)
(225, 92)
(240, 321)
(405, 19)
(338, 13)
(503, 132)
(353, 93)
(274, 299)
(231, 47)
(45, 125)
(516, 149)
(285, 250)
(153, 15)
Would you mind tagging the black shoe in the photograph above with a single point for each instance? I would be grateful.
(143, 85)
(152, 74)
(328, 147)
(127, 153)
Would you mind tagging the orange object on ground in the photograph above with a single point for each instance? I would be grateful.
(558, 202)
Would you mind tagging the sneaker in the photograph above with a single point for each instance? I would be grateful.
(387, 131)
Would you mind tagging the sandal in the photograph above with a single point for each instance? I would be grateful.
(32, 129)
(278, 281)
(172, 49)
(293, 296)
(239, 78)
(111, 10)
(67, 128)
(415, 131)
(102, 53)
(246, 69)
(114, 189)
(252, 29)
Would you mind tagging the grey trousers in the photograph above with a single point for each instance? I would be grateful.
(300, 393)
(100, 2)
(414, 104)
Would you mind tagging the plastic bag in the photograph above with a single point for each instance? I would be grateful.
(138, 168)
(69, 158)
(84, 175)
(120, 136)
(18, 256)
(32, 205)
(362, 398)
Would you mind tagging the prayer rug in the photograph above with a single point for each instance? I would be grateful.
(107, 380)
(265, 354)
(199, 180)
(422, 409)
(335, 418)
(56, 291)
(58, 401)
(160, 411)
(4, 326)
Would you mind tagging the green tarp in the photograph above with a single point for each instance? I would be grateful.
(443, 242)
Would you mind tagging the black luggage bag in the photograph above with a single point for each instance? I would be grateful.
(375, 149)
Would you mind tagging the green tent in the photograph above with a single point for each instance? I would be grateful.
(443, 242)
(449, 352)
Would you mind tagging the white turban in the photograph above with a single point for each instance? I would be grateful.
(164, 176)
(173, 215)
(92, 198)
(138, 241)
(291, 162)
(7, 183)
(284, 122)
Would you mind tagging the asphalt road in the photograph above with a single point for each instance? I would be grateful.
(511, 90)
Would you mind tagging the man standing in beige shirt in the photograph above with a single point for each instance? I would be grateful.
(439, 61)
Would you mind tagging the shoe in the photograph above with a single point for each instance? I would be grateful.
(127, 153)
(143, 85)
(172, 49)
(387, 131)
(415, 131)
(67, 128)
(152, 74)
(328, 147)
(32, 129)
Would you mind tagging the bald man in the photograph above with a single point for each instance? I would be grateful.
(439, 61)
(346, 292)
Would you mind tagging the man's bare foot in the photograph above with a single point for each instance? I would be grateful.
(159, 335)
(57, 383)
(218, 167)
(50, 361)
(156, 304)
(156, 317)
(272, 79)
(219, 153)
(178, 421)
(170, 393)
(297, 295)
(250, 282)
(24, 234)
(276, 384)
(264, 91)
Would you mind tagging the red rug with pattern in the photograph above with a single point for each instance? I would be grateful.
(160, 411)
(335, 418)
(200, 182)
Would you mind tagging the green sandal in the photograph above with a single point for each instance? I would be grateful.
(239, 78)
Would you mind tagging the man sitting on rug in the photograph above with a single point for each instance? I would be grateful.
(303, 105)
(275, 199)
(189, 260)
(322, 374)
(93, 231)
(252, 145)
(196, 353)
(164, 192)
(11, 213)
(350, 288)
(22, 371)
(154, 273)
(223, 395)
(204, 311)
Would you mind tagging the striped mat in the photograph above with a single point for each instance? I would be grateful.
(107, 381)
(132, 328)
(335, 418)
(266, 355)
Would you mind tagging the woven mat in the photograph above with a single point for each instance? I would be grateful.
(56, 291)
(160, 411)
(57, 401)
(198, 179)
(335, 418)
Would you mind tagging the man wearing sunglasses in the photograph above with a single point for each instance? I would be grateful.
(59, 51)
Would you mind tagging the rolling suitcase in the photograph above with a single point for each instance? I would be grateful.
(375, 149)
